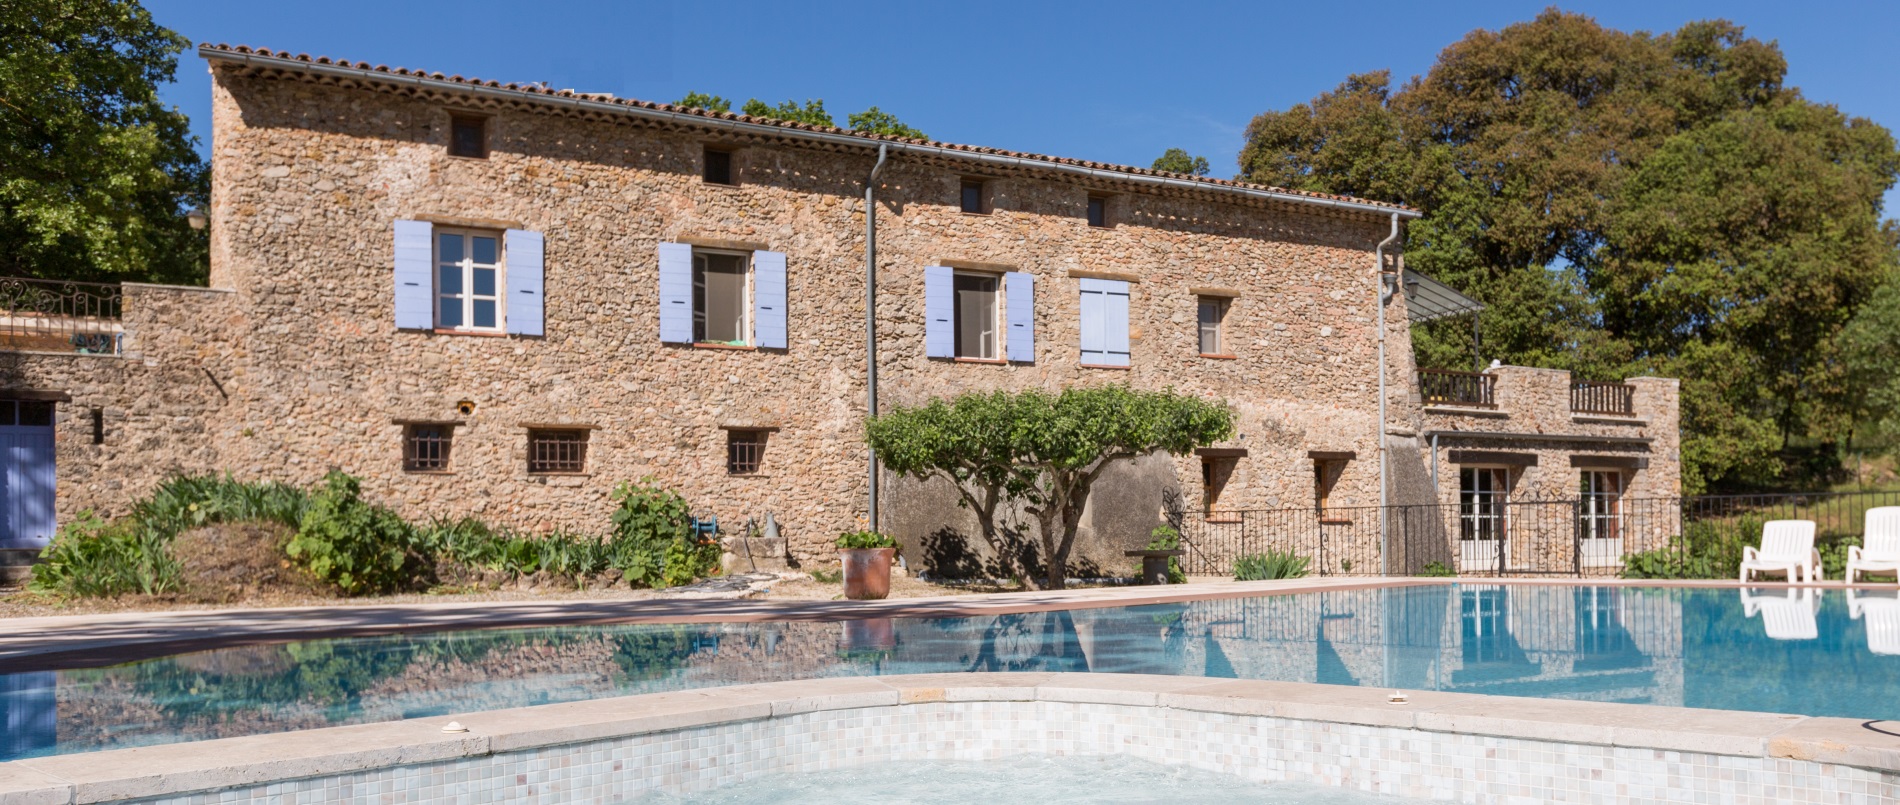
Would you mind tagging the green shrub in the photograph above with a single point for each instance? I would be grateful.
(1166, 538)
(653, 544)
(1437, 569)
(1274, 564)
(862, 540)
(90, 557)
(356, 546)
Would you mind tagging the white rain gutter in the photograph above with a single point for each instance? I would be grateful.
(870, 314)
(1384, 294)
(767, 129)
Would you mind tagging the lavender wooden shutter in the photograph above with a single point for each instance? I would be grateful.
(1104, 322)
(415, 271)
(1019, 293)
(525, 279)
(676, 293)
(940, 310)
(768, 300)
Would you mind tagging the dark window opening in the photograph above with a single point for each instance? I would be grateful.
(1216, 472)
(556, 451)
(98, 426)
(972, 196)
(468, 136)
(1098, 211)
(35, 413)
(425, 448)
(1326, 474)
(745, 451)
(718, 167)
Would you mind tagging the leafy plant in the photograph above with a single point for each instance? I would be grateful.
(90, 557)
(1437, 569)
(1167, 538)
(861, 540)
(359, 547)
(1273, 564)
(653, 543)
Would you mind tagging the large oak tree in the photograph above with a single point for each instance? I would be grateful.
(1625, 203)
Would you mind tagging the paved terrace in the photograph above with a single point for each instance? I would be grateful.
(83, 641)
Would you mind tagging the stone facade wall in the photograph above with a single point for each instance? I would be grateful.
(1533, 418)
(157, 402)
(309, 179)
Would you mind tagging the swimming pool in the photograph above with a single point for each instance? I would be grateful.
(1793, 651)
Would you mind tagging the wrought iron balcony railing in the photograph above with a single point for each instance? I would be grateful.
(1466, 389)
(60, 316)
(1608, 399)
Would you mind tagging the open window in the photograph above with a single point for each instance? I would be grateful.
(1098, 211)
(468, 136)
(973, 196)
(720, 300)
(716, 167)
(978, 313)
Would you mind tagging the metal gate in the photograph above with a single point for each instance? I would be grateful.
(27, 482)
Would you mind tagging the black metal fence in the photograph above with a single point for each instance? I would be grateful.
(1445, 387)
(1588, 536)
(59, 316)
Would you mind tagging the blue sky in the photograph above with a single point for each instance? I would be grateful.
(1108, 80)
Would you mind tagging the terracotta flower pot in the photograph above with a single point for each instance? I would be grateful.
(867, 572)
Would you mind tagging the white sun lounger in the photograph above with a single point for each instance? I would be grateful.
(1882, 616)
(1784, 617)
(1879, 551)
(1787, 546)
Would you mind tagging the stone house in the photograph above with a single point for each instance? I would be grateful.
(502, 300)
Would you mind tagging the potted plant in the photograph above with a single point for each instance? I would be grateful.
(866, 556)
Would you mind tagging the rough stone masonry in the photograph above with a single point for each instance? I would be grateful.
(292, 363)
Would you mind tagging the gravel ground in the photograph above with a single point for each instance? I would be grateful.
(18, 603)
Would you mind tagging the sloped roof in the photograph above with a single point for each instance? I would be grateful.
(1427, 299)
(532, 92)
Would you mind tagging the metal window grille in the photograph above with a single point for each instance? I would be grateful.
(745, 451)
(468, 136)
(425, 448)
(557, 451)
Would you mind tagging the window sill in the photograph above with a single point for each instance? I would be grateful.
(1101, 226)
(1219, 356)
(1335, 521)
(717, 345)
(725, 185)
(967, 212)
(1223, 518)
(476, 333)
(428, 472)
(747, 475)
(560, 475)
(991, 361)
(1106, 366)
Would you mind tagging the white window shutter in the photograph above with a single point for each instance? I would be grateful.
(940, 309)
(1019, 293)
(414, 275)
(1104, 322)
(768, 300)
(676, 293)
(525, 274)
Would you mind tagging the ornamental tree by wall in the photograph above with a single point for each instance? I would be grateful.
(1043, 451)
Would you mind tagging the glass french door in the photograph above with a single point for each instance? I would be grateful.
(1600, 534)
(1482, 492)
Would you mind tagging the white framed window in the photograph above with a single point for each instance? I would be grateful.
(1212, 317)
(978, 313)
(468, 280)
(1482, 492)
(721, 297)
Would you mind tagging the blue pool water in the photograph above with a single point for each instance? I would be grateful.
(1811, 654)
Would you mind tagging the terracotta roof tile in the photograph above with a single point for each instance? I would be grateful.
(542, 89)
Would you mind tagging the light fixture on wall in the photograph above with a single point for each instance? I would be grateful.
(196, 218)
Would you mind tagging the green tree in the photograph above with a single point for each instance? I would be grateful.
(1624, 203)
(1176, 160)
(1871, 345)
(700, 100)
(878, 121)
(1043, 450)
(95, 173)
(812, 113)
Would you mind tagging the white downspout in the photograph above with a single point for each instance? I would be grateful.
(1384, 295)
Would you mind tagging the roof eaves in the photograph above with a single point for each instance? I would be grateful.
(322, 65)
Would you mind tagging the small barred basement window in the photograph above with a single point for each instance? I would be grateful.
(745, 451)
(468, 136)
(557, 451)
(425, 448)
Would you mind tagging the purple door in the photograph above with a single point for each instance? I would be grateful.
(26, 486)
